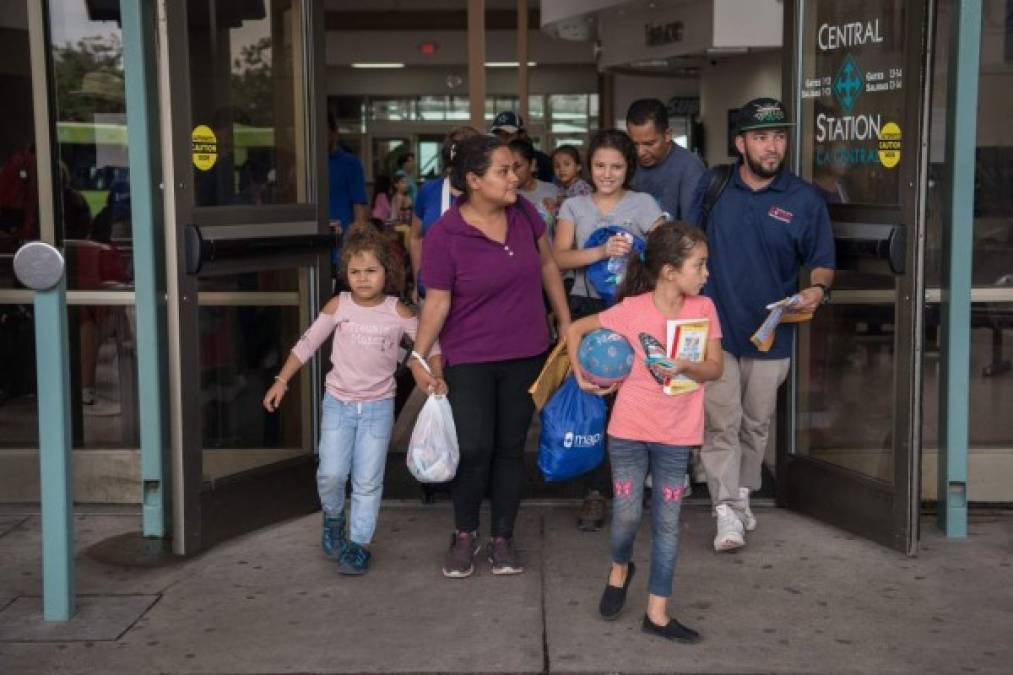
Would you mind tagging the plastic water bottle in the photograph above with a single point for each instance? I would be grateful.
(616, 265)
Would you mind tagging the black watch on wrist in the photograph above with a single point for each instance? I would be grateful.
(826, 292)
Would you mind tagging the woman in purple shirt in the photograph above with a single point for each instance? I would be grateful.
(484, 265)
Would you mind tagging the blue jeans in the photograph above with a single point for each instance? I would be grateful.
(631, 461)
(354, 439)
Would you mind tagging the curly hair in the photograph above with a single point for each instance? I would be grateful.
(369, 240)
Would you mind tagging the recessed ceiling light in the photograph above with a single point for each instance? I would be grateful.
(377, 65)
(650, 63)
(507, 64)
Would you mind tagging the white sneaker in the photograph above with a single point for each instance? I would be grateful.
(747, 517)
(730, 534)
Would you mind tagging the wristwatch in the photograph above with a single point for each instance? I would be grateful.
(826, 292)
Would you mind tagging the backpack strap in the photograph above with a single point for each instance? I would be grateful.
(720, 175)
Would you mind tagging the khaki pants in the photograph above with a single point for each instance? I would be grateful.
(739, 407)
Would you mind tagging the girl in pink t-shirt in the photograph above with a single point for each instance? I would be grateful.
(651, 431)
(358, 408)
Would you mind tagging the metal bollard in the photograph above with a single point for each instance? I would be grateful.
(40, 267)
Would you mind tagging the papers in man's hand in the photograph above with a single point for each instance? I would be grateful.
(782, 311)
(686, 339)
(786, 303)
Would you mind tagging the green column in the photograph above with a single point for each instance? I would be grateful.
(958, 244)
(55, 462)
(139, 58)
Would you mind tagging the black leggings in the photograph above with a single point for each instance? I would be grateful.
(492, 413)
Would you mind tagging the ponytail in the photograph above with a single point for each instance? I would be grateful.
(667, 244)
(637, 280)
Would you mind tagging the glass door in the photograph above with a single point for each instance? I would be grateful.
(64, 180)
(251, 258)
(858, 74)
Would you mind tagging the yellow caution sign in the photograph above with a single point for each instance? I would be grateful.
(204, 147)
(889, 145)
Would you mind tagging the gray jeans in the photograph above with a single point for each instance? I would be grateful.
(631, 460)
(738, 410)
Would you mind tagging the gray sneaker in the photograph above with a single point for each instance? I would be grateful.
(503, 557)
(460, 562)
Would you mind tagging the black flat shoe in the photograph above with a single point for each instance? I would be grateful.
(673, 630)
(613, 598)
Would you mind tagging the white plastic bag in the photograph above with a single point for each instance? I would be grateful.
(433, 454)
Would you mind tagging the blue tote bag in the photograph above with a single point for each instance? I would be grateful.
(572, 440)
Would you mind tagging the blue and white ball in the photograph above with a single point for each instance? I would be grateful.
(605, 356)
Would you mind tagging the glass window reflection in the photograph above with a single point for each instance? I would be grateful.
(92, 176)
(248, 97)
(846, 363)
(19, 198)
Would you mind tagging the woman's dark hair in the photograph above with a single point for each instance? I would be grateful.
(616, 140)
(570, 150)
(523, 147)
(667, 244)
(369, 240)
(403, 159)
(381, 186)
(449, 151)
(474, 155)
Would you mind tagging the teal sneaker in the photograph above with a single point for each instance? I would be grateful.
(355, 560)
(333, 539)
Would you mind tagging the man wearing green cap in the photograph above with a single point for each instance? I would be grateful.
(764, 227)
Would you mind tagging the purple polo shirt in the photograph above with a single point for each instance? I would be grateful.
(496, 308)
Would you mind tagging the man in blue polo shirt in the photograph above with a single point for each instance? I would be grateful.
(764, 228)
(346, 182)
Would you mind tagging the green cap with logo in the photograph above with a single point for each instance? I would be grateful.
(761, 113)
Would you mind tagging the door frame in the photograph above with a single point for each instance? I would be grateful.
(885, 513)
(207, 512)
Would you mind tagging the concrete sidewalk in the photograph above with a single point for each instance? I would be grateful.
(802, 597)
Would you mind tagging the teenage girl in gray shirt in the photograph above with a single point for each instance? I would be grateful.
(613, 160)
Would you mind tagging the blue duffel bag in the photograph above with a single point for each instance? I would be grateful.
(572, 441)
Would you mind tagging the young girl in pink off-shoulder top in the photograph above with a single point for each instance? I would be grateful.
(358, 408)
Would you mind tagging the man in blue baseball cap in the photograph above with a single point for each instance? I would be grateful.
(763, 227)
(508, 125)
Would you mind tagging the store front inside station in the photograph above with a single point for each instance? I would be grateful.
(857, 440)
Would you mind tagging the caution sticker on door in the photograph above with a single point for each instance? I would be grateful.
(204, 147)
(889, 145)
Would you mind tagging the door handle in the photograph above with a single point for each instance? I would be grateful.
(878, 241)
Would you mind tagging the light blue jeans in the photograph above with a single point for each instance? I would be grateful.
(631, 461)
(354, 439)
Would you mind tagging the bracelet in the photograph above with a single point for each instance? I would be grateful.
(422, 360)
(284, 383)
